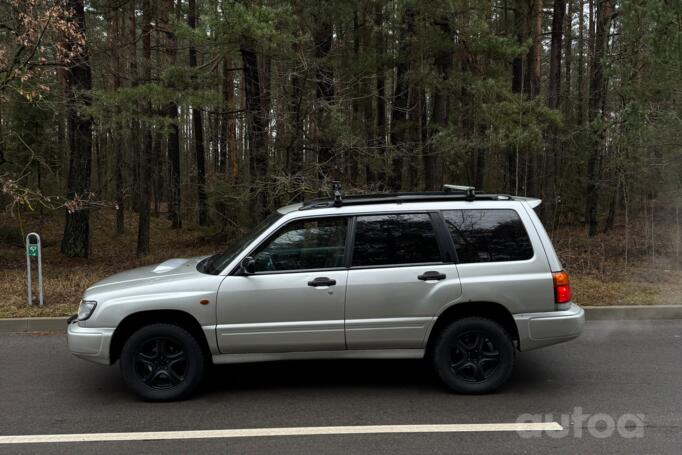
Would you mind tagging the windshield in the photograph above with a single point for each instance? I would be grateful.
(213, 265)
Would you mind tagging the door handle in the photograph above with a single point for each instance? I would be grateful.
(321, 281)
(431, 275)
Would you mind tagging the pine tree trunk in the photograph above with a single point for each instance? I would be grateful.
(157, 168)
(134, 137)
(171, 112)
(399, 124)
(146, 155)
(536, 49)
(568, 58)
(256, 130)
(226, 88)
(433, 169)
(295, 156)
(423, 127)
(553, 102)
(323, 36)
(197, 128)
(554, 88)
(75, 242)
(590, 57)
(519, 31)
(233, 148)
(595, 112)
(580, 101)
(158, 160)
(371, 174)
(534, 88)
(352, 163)
(380, 133)
(230, 154)
(118, 126)
(519, 86)
(479, 163)
(295, 149)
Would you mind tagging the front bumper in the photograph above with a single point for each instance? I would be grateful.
(89, 343)
(537, 330)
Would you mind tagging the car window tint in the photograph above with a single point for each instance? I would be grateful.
(304, 244)
(394, 239)
(492, 235)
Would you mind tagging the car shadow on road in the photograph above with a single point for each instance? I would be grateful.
(529, 374)
(533, 373)
(321, 373)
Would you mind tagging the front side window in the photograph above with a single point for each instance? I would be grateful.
(395, 239)
(492, 235)
(304, 245)
(213, 265)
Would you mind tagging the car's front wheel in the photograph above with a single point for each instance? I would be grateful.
(162, 362)
(473, 355)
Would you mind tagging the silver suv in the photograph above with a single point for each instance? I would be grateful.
(459, 278)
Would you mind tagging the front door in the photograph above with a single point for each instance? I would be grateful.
(295, 299)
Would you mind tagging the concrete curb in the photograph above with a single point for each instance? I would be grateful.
(592, 313)
(632, 312)
(33, 324)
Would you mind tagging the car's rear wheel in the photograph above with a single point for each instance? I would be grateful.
(473, 355)
(162, 362)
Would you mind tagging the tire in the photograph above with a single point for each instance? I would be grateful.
(473, 355)
(171, 375)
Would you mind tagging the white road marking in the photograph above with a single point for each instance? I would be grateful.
(294, 431)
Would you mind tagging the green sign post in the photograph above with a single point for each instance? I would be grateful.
(33, 250)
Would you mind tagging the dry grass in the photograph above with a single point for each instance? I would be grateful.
(66, 278)
(615, 269)
(593, 290)
(597, 268)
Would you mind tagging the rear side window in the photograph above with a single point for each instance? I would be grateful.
(394, 239)
(492, 235)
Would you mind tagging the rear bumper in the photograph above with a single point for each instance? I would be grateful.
(89, 343)
(537, 330)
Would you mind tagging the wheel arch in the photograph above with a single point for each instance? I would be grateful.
(133, 322)
(490, 310)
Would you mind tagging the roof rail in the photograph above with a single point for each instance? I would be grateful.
(450, 193)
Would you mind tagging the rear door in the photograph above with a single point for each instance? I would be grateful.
(400, 276)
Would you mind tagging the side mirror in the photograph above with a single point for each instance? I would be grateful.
(248, 265)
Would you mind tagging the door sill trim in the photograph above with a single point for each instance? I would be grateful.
(313, 355)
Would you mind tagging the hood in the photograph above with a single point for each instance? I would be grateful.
(175, 284)
(172, 269)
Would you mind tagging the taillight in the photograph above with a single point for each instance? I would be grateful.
(562, 288)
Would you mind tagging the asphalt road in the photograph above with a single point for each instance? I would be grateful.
(615, 369)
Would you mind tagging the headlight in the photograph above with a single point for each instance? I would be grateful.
(85, 309)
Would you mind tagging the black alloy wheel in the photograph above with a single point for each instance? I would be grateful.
(473, 355)
(162, 362)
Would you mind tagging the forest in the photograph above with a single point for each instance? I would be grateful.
(154, 120)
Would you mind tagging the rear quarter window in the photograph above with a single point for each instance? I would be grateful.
(488, 235)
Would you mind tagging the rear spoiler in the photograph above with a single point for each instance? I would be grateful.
(532, 201)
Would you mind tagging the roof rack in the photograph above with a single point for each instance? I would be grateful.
(338, 195)
(449, 193)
